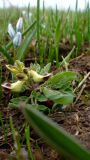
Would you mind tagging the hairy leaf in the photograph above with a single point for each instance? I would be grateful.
(58, 96)
(61, 80)
(46, 69)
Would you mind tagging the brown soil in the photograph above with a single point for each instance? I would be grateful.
(75, 118)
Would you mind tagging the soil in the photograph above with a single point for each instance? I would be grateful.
(75, 118)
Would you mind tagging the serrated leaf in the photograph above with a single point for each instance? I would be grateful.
(61, 80)
(38, 96)
(46, 69)
(36, 67)
(41, 108)
(58, 96)
(15, 101)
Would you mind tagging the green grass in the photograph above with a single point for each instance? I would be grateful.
(56, 26)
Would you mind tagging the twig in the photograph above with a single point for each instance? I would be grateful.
(76, 58)
(81, 83)
(79, 95)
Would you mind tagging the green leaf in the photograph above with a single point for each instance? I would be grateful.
(54, 134)
(61, 80)
(57, 40)
(15, 101)
(4, 52)
(41, 108)
(46, 69)
(36, 67)
(67, 58)
(29, 28)
(38, 96)
(23, 48)
(57, 33)
(58, 96)
(23, 99)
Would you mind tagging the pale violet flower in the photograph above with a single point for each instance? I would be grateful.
(24, 12)
(19, 24)
(16, 35)
(30, 15)
(17, 39)
(11, 31)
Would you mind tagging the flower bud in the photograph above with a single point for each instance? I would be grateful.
(19, 24)
(14, 87)
(17, 86)
(11, 31)
(17, 39)
(19, 65)
(37, 77)
(13, 69)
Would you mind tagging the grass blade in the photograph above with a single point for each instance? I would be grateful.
(27, 135)
(22, 50)
(54, 135)
(4, 52)
(67, 58)
(57, 39)
(38, 27)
